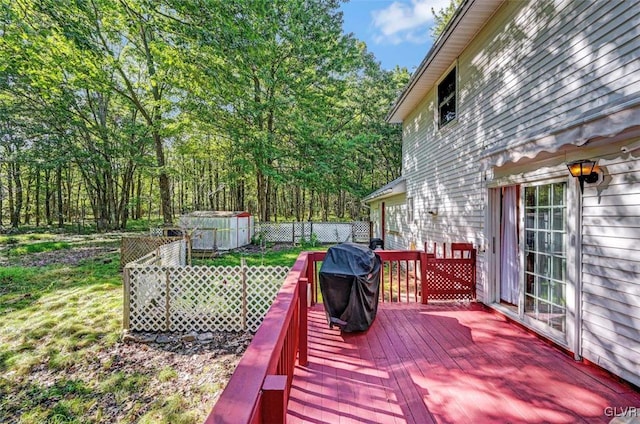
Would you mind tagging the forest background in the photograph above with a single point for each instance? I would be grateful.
(112, 110)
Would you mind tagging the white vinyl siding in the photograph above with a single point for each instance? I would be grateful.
(611, 270)
(536, 67)
(396, 223)
(534, 73)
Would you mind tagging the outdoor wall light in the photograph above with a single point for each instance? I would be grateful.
(584, 170)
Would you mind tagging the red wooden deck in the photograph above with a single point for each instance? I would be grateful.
(446, 364)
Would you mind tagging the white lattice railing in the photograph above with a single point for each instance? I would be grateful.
(198, 298)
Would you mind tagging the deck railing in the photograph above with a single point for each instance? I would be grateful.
(259, 388)
(399, 276)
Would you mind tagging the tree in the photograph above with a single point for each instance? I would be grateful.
(443, 16)
(264, 106)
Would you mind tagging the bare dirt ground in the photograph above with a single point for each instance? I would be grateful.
(68, 257)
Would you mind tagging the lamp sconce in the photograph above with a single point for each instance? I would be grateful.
(584, 170)
(433, 212)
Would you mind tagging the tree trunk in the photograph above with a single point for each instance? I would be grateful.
(37, 212)
(12, 204)
(150, 200)
(18, 194)
(69, 193)
(59, 196)
(1, 196)
(263, 209)
(139, 197)
(27, 202)
(47, 196)
(311, 206)
(212, 188)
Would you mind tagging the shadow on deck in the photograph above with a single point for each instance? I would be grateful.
(446, 364)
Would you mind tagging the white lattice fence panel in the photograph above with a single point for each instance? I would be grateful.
(173, 254)
(361, 231)
(134, 248)
(325, 232)
(201, 298)
(149, 259)
(302, 231)
(332, 232)
(206, 299)
(263, 283)
(148, 298)
(282, 232)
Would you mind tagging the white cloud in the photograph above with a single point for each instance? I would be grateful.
(404, 21)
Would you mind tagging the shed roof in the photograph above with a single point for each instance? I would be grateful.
(470, 17)
(218, 214)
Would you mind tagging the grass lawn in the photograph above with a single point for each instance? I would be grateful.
(60, 347)
(282, 256)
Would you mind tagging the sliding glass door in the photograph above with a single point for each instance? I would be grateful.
(545, 255)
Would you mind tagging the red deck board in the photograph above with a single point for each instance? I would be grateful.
(445, 364)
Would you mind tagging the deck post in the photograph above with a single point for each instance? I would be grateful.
(274, 399)
(423, 277)
(303, 328)
(311, 267)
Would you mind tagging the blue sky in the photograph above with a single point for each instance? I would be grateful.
(397, 32)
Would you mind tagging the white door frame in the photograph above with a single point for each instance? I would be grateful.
(571, 339)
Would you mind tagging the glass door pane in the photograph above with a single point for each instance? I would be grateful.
(545, 254)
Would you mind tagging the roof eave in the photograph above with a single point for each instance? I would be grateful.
(398, 186)
(408, 99)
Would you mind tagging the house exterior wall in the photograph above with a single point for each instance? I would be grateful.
(536, 67)
(397, 232)
(611, 269)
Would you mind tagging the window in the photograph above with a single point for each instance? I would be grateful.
(393, 217)
(447, 99)
(545, 254)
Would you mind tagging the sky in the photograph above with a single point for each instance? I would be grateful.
(398, 32)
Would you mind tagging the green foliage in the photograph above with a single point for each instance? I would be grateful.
(171, 410)
(311, 243)
(443, 16)
(265, 106)
(142, 225)
(285, 256)
(59, 322)
(45, 246)
(167, 374)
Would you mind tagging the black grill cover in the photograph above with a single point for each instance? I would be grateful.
(350, 282)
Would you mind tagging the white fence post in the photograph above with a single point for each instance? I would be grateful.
(243, 276)
(126, 309)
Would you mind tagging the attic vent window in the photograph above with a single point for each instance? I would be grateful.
(447, 99)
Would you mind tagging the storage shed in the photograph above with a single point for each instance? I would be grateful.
(218, 230)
